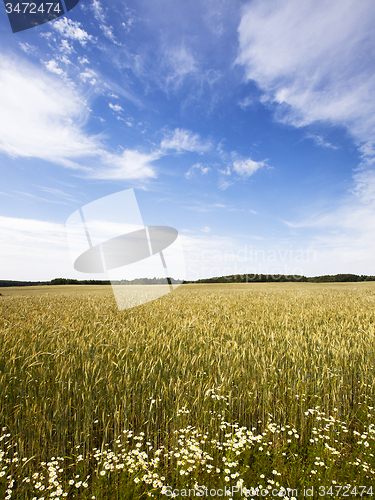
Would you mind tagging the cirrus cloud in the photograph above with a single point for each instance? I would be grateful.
(45, 118)
(130, 164)
(314, 60)
(184, 140)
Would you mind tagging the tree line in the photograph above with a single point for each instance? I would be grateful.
(282, 278)
(235, 278)
(68, 281)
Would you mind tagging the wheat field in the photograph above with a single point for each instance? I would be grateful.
(251, 389)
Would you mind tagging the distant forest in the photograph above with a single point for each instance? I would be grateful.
(68, 281)
(267, 278)
(237, 278)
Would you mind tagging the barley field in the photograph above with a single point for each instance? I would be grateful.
(252, 390)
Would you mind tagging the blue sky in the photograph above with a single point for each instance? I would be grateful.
(247, 126)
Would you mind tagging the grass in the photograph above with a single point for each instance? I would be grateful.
(237, 386)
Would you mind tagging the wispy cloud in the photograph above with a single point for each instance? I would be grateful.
(72, 30)
(35, 197)
(89, 75)
(108, 32)
(304, 57)
(246, 102)
(66, 48)
(344, 236)
(101, 17)
(314, 63)
(197, 166)
(227, 171)
(184, 140)
(223, 184)
(115, 107)
(32, 226)
(128, 165)
(56, 192)
(320, 141)
(32, 249)
(46, 120)
(26, 47)
(180, 63)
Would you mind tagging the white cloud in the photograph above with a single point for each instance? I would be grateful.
(115, 107)
(65, 47)
(56, 192)
(100, 16)
(344, 240)
(64, 59)
(364, 189)
(71, 29)
(53, 67)
(26, 47)
(98, 10)
(32, 226)
(198, 166)
(227, 171)
(180, 63)
(320, 141)
(33, 249)
(128, 24)
(246, 102)
(42, 117)
(224, 184)
(38, 198)
(83, 60)
(128, 121)
(246, 166)
(108, 32)
(314, 59)
(88, 75)
(343, 237)
(184, 140)
(128, 165)
(36, 250)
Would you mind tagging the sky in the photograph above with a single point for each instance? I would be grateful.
(249, 126)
